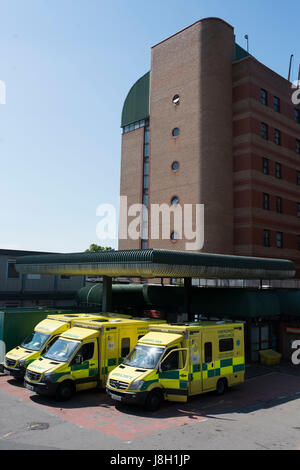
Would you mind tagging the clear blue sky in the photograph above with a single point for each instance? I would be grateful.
(68, 66)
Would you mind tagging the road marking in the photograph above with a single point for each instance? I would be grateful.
(6, 435)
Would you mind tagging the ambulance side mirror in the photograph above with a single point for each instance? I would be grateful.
(79, 359)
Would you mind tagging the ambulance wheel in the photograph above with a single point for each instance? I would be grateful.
(153, 400)
(65, 391)
(221, 387)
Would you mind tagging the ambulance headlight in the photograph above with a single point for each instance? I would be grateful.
(48, 377)
(137, 385)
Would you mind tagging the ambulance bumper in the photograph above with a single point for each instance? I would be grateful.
(41, 388)
(17, 372)
(134, 398)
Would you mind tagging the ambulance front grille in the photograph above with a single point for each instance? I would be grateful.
(33, 376)
(10, 362)
(118, 384)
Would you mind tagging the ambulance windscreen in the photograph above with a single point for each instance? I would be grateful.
(145, 357)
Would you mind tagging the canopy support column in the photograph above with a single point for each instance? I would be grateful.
(107, 294)
(187, 297)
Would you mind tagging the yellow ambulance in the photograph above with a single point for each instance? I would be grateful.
(44, 334)
(82, 356)
(173, 362)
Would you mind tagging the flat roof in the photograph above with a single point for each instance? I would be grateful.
(153, 263)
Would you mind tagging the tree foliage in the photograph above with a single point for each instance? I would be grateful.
(95, 248)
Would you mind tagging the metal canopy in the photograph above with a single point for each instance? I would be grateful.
(153, 263)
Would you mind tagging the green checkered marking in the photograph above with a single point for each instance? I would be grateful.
(169, 374)
(226, 362)
(83, 366)
(183, 384)
(112, 362)
(196, 368)
(204, 366)
(58, 375)
(147, 383)
(238, 367)
(92, 372)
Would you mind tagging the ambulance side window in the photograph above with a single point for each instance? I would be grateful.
(87, 351)
(226, 344)
(125, 347)
(207, 352)
(172, 362)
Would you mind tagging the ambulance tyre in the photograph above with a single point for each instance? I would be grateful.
(153, 400)
(221, 386)
(65, 391)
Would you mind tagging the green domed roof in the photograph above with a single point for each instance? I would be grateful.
(136, 105)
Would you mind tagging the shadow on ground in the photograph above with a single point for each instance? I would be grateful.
(264, 388)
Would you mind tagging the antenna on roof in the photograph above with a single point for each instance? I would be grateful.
(247, 39)
(290, 66)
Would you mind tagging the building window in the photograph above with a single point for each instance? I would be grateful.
(276, 104)
(176, 99)
(263, 96)
(174, 200)
(297, 115)
(175, 166)
(135, 125)
(266, 237)
(175, 132)
(277, 137)
(12, 273)
(265, 163)
(144, 244)
(279, 242)
(298, 146)
(266, 201)
(146, 182)
(278, 170)
(145, 199)
(278, 204)
(146, 150)
(146, 167)
(264, 131)
(174, 236)
(63, 276)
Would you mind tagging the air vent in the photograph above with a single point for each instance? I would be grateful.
(140, 370)
(122, 367)
(55, 363)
